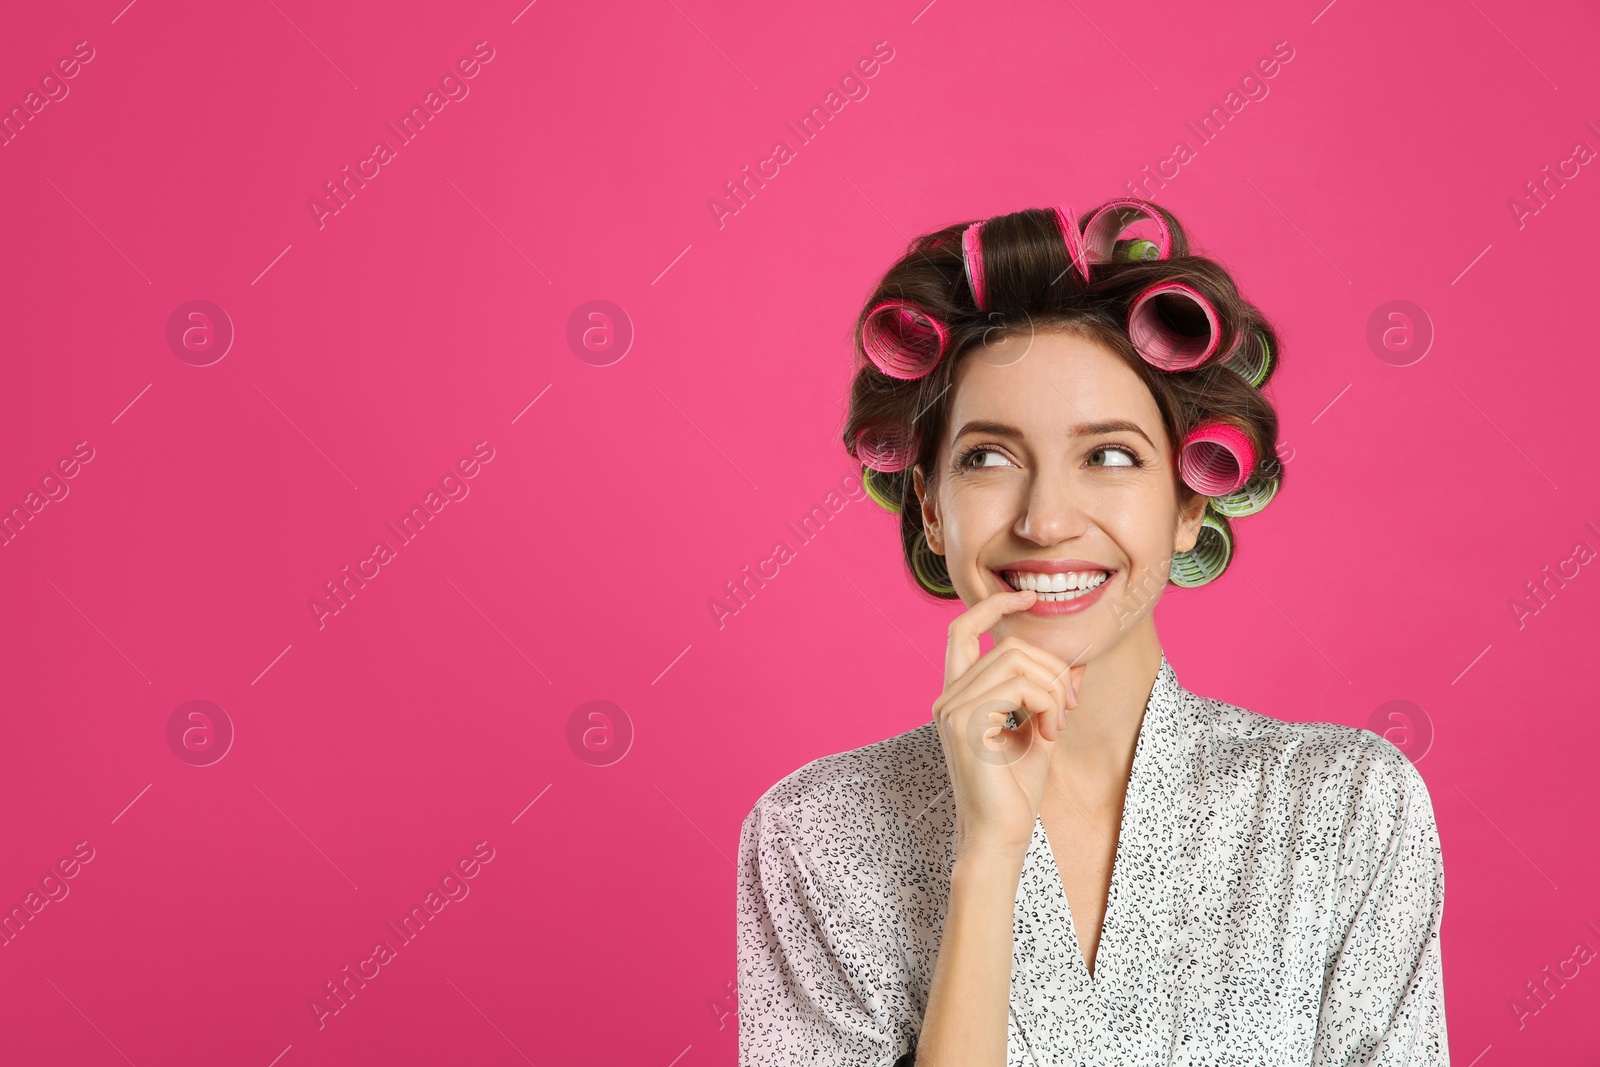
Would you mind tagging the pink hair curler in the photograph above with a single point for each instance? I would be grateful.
(903, 340)
(885, 449)
(1216, 458)
(1161, 342)
(972, 259)
(1076, 252)
(1100, 233)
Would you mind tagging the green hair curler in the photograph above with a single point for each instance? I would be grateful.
(1207, 559)
(1256, 494)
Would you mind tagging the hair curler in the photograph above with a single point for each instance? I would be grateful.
(1163, 324)
(1213, 547)
(929, 567)
(881, 495)
(1136, 250)
(1105, 226)
(1073, 236)
(1256, 494)
(1216, 458)
(972, 260)
(1251, 358)
(902, 339)
(885, 449)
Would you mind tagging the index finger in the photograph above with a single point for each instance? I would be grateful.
(963, 650)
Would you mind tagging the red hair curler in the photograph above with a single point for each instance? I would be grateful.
(885, 449)
(1216, 458)
(1165, 343)
(903, 340)
(1076, 252)
(972, 260)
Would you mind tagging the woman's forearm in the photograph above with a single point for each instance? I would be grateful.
(968, 1002)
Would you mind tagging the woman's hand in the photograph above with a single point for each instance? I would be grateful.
(998, 775)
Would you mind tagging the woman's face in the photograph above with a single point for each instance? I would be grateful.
(1056, 474)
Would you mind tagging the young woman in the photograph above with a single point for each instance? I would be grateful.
(1078, 860)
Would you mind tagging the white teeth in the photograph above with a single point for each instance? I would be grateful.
(1067, 585)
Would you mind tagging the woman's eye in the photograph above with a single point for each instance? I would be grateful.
(1115, 457)
(980, 458)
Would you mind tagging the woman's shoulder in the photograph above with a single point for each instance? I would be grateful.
(879, 791)
(1350, 767)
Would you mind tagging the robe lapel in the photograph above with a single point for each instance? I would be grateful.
(1053, 1000)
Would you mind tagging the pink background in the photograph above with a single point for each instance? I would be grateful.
(372, 353)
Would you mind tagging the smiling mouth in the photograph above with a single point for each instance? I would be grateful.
(1066, 585)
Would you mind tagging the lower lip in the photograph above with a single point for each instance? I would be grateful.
(1067, 607)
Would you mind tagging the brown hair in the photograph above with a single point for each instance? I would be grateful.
(1028, 283)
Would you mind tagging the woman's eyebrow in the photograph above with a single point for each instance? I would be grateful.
(1086, 429)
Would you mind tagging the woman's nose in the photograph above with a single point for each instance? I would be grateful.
(1050, 511)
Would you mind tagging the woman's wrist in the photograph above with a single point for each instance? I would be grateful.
(985, 865)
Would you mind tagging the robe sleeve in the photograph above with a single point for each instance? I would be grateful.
(817, 985)
(1383, 995)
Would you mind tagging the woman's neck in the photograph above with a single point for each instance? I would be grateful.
(1096, 749)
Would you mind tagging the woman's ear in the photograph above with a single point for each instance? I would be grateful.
(930, 511)
(1189, 519)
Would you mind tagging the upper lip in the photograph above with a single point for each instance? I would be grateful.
(1053, 566)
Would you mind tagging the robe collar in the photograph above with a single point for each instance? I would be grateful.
(1052, 994)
